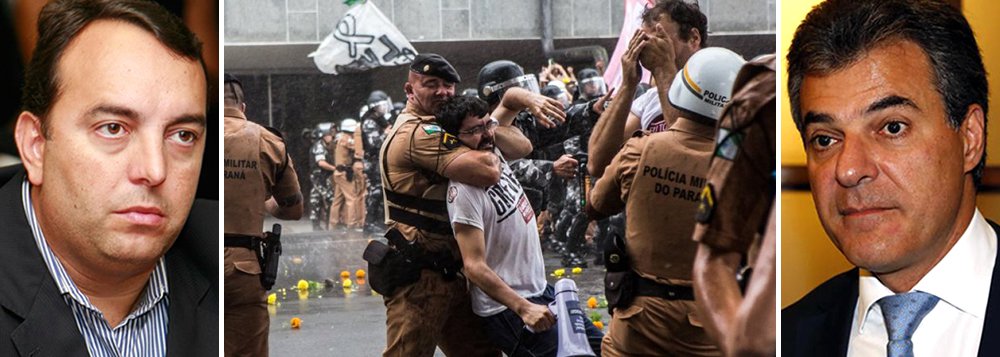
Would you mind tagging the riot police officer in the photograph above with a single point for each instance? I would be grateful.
(657, 178)
(321, 192)
(260, 178)
(376, 116)
(591, 85)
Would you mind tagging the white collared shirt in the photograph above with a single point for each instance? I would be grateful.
(955, 326)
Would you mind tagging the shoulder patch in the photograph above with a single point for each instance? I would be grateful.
(727, 144)
(432, 128)
(706, 205)
(449, 141)
(452, 193)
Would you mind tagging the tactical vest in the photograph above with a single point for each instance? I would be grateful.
(663, 199)
(427, 212)
(244, 179)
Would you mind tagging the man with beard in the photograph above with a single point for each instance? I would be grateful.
(430, 306)
(496, 231)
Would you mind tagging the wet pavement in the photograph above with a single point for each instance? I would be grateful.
(350, 321)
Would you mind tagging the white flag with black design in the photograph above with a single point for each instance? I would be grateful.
(363, 39)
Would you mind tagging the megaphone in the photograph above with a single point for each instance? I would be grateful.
(570, 321)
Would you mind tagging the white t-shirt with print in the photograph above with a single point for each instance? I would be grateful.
(513, 250)
(647, 108)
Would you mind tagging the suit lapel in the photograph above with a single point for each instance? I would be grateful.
(828, 331)
(989, 345)
(29, 293)
(193, 323)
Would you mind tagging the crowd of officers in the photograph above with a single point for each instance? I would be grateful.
(672, 183)
(346, 187)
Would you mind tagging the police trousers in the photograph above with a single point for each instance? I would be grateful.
(434, 312)
(351, 208)
(246, 317)
(654, 326)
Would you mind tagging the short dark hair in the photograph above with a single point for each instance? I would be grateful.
(686, 15)
(456, 109)
(838, 33)
(232, 93)
(62, 20)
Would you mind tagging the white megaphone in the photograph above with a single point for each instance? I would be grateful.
(570, 321)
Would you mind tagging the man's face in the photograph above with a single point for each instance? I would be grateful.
(477, 132)
(428, 92)
(683, 49)
(120, 165)
(887, 172)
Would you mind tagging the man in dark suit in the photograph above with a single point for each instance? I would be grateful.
(890, 98)
(111, 138)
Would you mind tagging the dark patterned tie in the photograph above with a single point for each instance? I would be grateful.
(902, 314)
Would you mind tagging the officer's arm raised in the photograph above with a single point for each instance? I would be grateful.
(477, 168)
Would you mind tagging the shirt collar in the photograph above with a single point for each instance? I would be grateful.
(971, 258)
(155, 291)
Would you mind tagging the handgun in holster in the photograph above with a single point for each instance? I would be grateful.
(268, 251)
(393, 265)
(348, 172)
(620, 279)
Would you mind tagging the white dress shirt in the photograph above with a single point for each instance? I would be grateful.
(961, 280)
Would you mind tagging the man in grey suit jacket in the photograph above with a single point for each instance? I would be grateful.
(111, 138)
(891, 100)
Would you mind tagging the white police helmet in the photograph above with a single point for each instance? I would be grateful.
(705, 84)
(348, 125)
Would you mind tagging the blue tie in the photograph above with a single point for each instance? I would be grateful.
(902, 314)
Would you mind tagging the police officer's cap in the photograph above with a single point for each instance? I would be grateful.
(434, 65)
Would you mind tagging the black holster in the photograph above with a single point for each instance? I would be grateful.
(348, 172)
(268, 250)
(399, 263)
(620, 279)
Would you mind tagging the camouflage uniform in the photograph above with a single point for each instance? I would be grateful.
(321, 193)
(372, 136)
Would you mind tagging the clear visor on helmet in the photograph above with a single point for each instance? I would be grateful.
(593, 87)
(527, 81)
(382, 106)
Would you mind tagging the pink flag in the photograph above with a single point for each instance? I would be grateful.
(633, 21)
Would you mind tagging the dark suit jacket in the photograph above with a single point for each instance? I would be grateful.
(820, 323)
(35, 320)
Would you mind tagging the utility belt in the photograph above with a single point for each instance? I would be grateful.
(622, 284)
(648, 287)
(267, 251)
(399, 263)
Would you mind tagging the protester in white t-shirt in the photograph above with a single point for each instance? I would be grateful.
(496, 231)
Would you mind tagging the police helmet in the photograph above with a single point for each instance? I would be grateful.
(377, 96)
(379, 102)
(591, 84)
(705, 84)
(324, 128)
(497, 76)
(348, 125)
